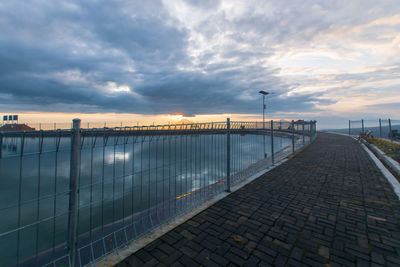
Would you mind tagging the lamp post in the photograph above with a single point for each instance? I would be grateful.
(264, 94)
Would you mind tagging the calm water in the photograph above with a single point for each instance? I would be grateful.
(118, 177)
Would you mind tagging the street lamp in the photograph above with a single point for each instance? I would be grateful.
(264, 94)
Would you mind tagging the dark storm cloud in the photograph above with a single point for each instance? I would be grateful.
(85, 54)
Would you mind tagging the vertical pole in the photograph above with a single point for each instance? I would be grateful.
(349, 127)
(390, 130)
(263, 111)
(292, 136)
(272, 142)
(362, 125)
(265, 154)
(74, 190)
(228, 155)
(55, 126)
(380, 128)
(302, 130)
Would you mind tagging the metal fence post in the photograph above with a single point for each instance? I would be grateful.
(380, 128)
(292, 136)
(349, 127)
(272, 142)
(390, 130)
(228, 155)
(302, 130)
(74, 190)
(362, 125)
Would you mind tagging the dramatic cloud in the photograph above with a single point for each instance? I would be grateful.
(321, 58)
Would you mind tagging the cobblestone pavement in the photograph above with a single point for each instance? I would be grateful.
(327, 206)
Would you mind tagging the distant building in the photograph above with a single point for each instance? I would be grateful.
(16, 127)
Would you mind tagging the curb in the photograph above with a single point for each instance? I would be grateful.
(386, 173)
(393, 165)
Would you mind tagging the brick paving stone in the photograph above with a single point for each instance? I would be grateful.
(329, 204)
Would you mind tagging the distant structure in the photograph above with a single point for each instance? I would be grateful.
(16, 127)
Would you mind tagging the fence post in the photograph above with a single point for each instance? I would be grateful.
(272, 142)
(292, 136)
(228, 155)
(380, 128)
(74, 190)
(390, 130)
(349, 127)
(362, 125)
(302, 130)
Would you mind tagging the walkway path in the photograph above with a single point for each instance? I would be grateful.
(327, 205)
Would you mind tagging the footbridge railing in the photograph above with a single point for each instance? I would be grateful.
(70, 197)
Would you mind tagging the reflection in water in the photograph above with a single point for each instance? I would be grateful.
(118, 179)
(118, 156)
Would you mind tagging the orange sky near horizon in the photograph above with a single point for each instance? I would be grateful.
(126, 119)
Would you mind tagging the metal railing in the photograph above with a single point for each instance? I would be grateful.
(381, 128)
(70, 197)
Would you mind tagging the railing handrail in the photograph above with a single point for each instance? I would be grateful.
(166, 127)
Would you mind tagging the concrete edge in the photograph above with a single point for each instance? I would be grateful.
(127, 250)
(391, 162)
(388, 175)
(393, 165)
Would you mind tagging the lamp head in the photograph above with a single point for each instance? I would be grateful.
(263, 92)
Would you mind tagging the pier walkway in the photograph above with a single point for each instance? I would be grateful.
(327, 206)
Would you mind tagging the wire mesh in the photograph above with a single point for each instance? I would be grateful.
(380, 128)
(132, 179)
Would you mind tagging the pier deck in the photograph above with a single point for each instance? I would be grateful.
(329, 204)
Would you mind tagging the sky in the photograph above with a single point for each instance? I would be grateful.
(200, 60)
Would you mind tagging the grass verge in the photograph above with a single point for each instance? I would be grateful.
(389, 148)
